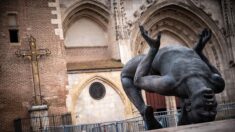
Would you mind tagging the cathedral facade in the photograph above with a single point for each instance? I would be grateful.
(90, 41)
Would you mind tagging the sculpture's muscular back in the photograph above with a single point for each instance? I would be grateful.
(172, 60)
(178, 61)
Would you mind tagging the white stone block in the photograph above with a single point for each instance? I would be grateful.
(54, 12)
(57, 31)
(54, 21)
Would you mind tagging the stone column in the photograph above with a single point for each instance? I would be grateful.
(171, 110)
(122, 31)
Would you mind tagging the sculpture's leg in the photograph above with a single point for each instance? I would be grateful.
(205, 59)
(134, 94)
(216, 78)
(159, 84)
(204, 38)
(142, 79)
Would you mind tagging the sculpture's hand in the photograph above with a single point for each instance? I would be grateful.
(143, 31)
(153, 43)
(204, 37)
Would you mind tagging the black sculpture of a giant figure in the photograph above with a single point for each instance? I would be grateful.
(174, 71)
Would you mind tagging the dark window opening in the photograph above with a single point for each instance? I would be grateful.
(178, 108)
(161, 111)
(97, 90)
(13, 35)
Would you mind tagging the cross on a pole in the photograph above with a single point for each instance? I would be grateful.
(34, 54)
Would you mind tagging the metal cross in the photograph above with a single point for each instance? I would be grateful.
(34, 54)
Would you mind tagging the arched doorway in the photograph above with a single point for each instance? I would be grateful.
(180, 24)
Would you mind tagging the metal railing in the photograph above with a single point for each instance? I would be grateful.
(136, 124)
(40, 124)
(166, 119)
(225, 111)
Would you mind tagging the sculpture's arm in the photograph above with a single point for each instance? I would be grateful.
(204, 38)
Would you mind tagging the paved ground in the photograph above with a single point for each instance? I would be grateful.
(216, 126)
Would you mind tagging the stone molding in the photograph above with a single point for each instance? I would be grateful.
(57, 21)
(78, 88)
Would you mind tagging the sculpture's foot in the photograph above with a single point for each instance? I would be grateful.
(149, 119)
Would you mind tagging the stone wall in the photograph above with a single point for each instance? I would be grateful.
(114, 106)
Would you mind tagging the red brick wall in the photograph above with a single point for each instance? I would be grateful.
(87, 54)
(16, 82)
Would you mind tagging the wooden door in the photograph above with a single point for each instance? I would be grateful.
(157, 101)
